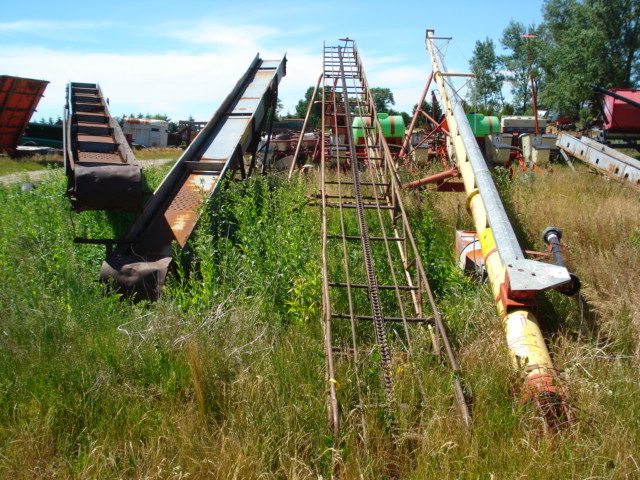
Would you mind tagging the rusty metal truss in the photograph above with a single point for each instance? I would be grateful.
(379, 312)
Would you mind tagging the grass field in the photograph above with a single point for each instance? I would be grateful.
(40, 162)
(29, 164)
(155, 153)
(224, 376)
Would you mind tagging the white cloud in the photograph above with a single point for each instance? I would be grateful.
(174, 84)
(398, 76)
(210, 33)
(179, 84)
(303, 70)
(44, 26)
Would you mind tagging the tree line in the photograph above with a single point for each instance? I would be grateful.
(172, 127)
(579, 43)
(382, 99)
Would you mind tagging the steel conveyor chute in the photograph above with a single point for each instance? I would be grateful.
(103, 173)
(140, 265)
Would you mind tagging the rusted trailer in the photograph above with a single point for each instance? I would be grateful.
(19, 98)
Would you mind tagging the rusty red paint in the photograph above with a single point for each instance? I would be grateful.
(18, 100)
(438, 177)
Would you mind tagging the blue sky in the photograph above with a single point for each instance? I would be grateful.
(181, 58)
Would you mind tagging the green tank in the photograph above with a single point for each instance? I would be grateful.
(392, 128)
(482, 125)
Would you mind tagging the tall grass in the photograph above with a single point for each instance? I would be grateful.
(29, 163)
(600, 224)
(224, 376)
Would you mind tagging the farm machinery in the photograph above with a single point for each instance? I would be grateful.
(357, 152)
(104, 174)
(102, 171)
(19, 98)
(515, 280)
(374, 287)
(620, 117)
(620, 129)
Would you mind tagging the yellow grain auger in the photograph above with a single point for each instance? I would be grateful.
(514, 280)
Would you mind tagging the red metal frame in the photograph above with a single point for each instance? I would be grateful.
(19, 98)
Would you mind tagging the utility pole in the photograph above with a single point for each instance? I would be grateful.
(534, 94)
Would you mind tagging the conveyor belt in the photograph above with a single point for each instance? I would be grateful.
(103, 173)
(139, 267)
(375, 289)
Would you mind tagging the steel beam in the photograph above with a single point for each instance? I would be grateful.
(607, 160)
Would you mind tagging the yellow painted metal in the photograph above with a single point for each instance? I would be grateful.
(525, 341)
(526, 344)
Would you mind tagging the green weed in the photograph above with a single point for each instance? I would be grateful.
(224, 377)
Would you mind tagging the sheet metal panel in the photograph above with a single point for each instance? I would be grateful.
(227, 139)
(177, 221)
(19, 98)
(246, 105)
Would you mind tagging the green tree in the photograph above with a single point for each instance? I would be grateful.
(406, 118)
(422, 120)
(486, 90)
(303, 105)
(572, 60)
(279, 108)
(590, 41)
(619, 24)
(432, 109)
(524, 54)
(172, 127)
(383, 100)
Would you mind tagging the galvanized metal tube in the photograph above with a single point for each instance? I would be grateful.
(523, 274)
(506, 267)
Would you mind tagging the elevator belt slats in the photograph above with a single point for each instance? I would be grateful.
(103, 173)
